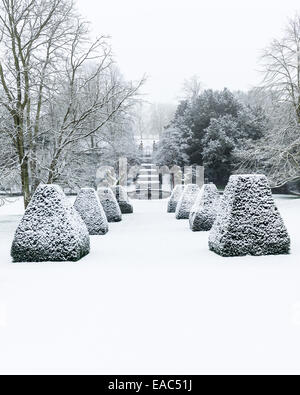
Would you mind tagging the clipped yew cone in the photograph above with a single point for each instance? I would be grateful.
(109, 204)
(174, 198)
(91, 211)
(187, 201)
(248, 222)
(123, 200)
(50, 230)
(205, 209)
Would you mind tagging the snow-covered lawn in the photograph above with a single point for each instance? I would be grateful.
(151, 298)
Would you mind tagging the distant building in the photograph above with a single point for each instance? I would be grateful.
(147, 144)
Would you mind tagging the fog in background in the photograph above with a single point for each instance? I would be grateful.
(171, 40)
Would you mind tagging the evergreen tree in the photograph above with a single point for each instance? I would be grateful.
(208, 130)
(209, 105)
(219, 142)
(172, 147)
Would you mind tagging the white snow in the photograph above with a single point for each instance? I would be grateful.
(51, 229)
(174, 198)
(122, 198)
(186, 201)
(148, 175)
(151, 298)
(91, 211)
(109, 204)
(248, 221)
(148, 182)
(205, 209)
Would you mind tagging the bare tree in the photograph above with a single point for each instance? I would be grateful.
(32, 35)
(89, 99)
(161, 115)
(281, 62)
(192, 88)
(53, 83)
(278, 153)
(152, 118)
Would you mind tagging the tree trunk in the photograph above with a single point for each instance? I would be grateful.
(52, 170)
(25, 182)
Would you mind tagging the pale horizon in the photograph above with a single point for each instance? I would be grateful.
(170, 40)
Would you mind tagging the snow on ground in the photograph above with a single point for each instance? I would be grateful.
(151, 298)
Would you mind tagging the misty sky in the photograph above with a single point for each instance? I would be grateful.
(170, 40)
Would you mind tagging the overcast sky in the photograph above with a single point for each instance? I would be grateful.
(170, 40)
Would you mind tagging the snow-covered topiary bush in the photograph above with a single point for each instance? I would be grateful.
(50, 230)
(187, 201)
(110, 204)
(205, 209)
(174, 199)
(91, 211)
(248, 222)
(123, 200)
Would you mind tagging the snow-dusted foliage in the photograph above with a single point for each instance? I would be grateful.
(91, 211)
(248, 222)
(205, 209)
(174, 199)
(187, 201)
(123, 200)
(50, 230)
(110, 204)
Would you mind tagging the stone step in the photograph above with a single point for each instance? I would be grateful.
(146, 176)
(152, 183)
(148, 170)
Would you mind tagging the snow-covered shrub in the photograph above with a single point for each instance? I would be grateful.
(110, 204)
(248, 222)
(91, 211)
(205, 209)
(174, 199)
(50, 230)
(187, 201)
(123, 200)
